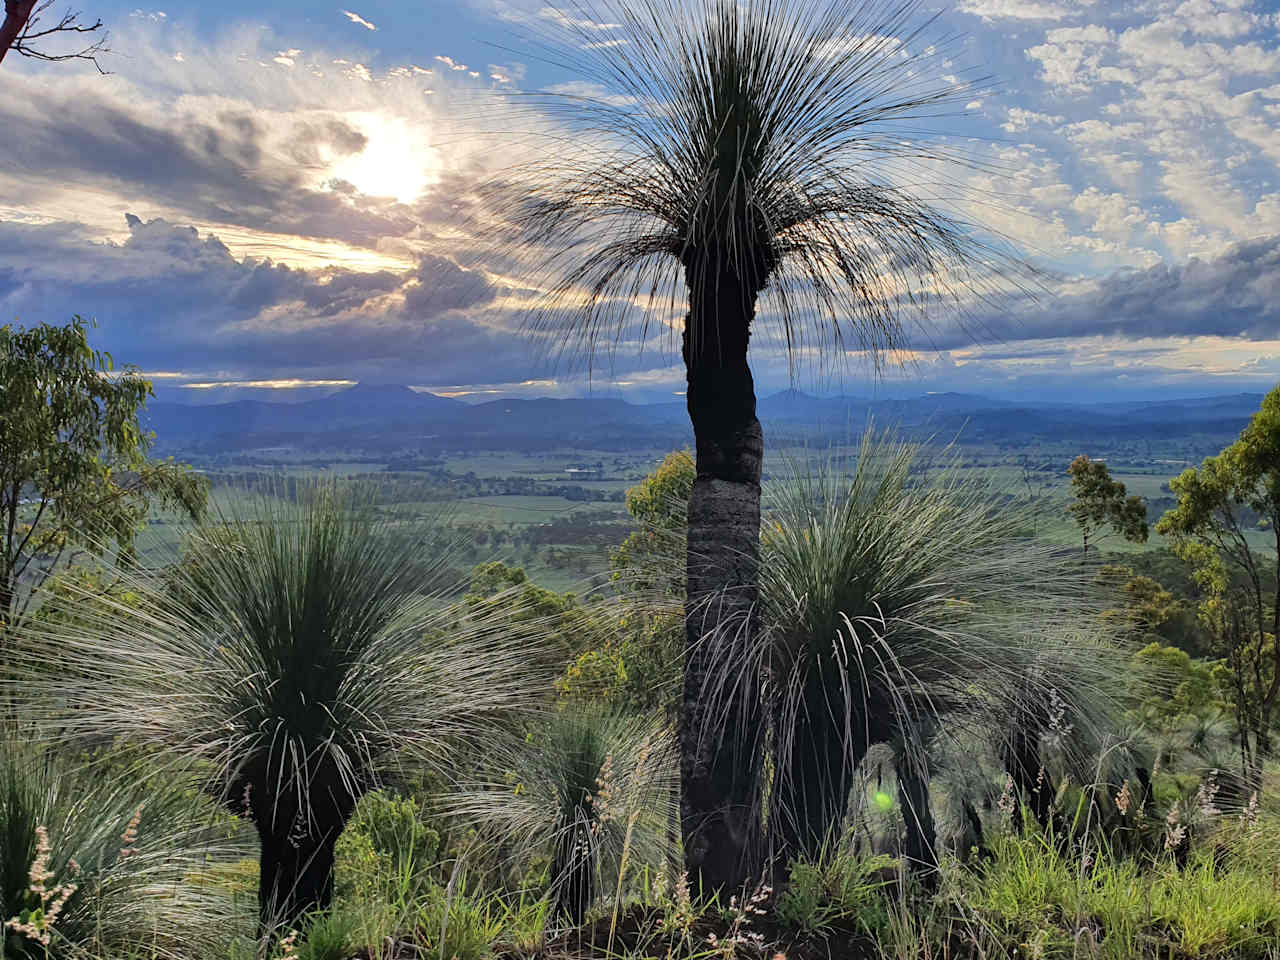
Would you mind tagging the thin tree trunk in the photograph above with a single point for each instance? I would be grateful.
(976, 833)
(1023, 762)
(572, 872)
(722, 717)
(919, 850)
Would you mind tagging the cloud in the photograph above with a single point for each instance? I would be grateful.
(1017, 9)
(224, 162)
(1234, 296)
(169, 292)
(1137, 136)
(576, 24)
(1020, 119)
(356, 18)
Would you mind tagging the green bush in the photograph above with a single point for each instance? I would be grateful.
(386, 852)
(332, 935)
(842, 891)
(457, 923)
(1037, 899)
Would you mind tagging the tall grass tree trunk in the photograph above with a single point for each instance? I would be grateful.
(721, 727)
(742, 159)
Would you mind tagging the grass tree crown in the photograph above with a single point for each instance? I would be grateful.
(734, 150)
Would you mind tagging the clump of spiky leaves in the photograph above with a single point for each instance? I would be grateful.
(595, 791)
(901, 604)
(96, 860)
(753, 146)
(298, 653)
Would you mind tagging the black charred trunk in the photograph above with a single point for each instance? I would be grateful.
(721, 717)
(920, 846)
(1023, 764)
(572, 874)
(977, 835)
(298, 830)
(815, 776)
(295, 878)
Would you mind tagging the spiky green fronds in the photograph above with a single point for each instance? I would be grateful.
(96, 859)
(777, 145)
(299, 652)
(901, 604)
(594, 790)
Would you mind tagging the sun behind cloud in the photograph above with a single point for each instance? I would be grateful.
(396, 161)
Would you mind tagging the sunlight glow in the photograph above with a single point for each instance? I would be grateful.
(395, 162)
(287, 384)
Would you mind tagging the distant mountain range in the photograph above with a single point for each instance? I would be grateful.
(395, 417)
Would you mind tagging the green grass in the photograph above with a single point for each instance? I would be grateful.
(1033, 898)
(502, 510)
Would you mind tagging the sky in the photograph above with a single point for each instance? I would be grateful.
(271, 199)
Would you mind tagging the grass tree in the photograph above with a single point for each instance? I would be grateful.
(596, 794)
(95, 860)
(296, 655)
(900, 609)
(738, 164)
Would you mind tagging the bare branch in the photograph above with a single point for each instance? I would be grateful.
(23, 33)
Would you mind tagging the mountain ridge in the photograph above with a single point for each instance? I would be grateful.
(391, 411)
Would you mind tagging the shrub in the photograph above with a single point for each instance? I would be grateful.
(839, 891)
(386, 850)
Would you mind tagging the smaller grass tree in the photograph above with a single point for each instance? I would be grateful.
(596, 793)
(93, 857)
(298, 653)
(900, 609)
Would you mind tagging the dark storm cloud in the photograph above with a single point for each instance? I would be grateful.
(169, 298)
(442, 284)
(1235, 295)
(309, 140)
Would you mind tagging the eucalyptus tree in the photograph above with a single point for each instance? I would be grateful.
(22, 31)
(1227, 509)
(75, 476)
(901, 610)
(737, 163)
(297, 654)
